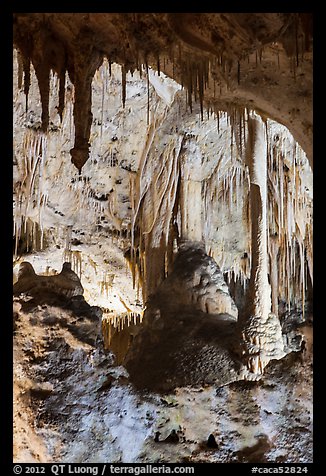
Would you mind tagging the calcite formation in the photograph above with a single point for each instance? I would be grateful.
(204, 52)
(196, 281)
(66, 282)
(164, 161)
(159, 165)
(262, 341)
(262, 332)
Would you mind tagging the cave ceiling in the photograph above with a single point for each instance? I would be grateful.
(225, 61)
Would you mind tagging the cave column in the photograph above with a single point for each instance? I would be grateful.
(191, 210)
(261, 330)
(190, 199)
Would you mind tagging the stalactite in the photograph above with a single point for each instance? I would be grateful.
(201, 90)
(27, 78)
(104, 74)
(290, 218)
(158, 65)
(30, 191)
(123, 82)
(43, 76)
(74, 257)
(147, 73)
(20, 60)
(62, 89)
(112, 321)
(106, 283)
(86, 61)
(189, 83)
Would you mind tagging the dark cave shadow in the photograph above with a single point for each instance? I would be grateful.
(192, 349)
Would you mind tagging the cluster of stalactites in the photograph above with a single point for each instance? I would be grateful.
(106, 283)
(157, 221)
(112, 322)
(194, 76)
(33, 181)
(226, 193)
(46, 52)
(74, 257)
(30, 193)
(289, 209)
(73, 80)
(159, 209)
(155, 203)
(290, 220)
(154, 200)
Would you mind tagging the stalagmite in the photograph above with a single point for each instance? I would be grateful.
(259, 322)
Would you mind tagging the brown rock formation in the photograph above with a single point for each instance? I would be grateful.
(66, 282)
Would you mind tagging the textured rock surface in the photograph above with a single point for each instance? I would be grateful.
(72, 404)
(262, 341)
(197, 282)
(190, 322)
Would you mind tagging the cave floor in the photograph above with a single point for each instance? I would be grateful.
(73, 404)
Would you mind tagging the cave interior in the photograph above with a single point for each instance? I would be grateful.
(162, 237)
